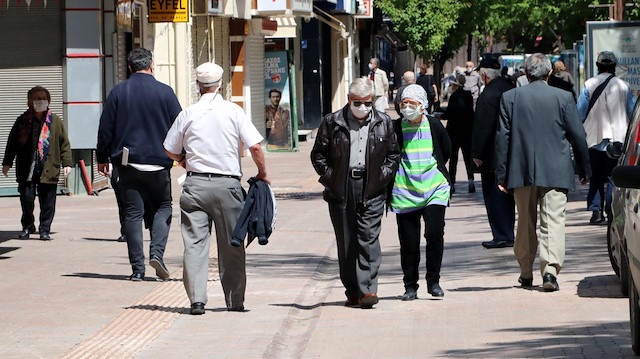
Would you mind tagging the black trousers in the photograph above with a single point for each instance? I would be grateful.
(500, 206)
(456, 145)
(46, 193)
(357, 227)
(409, 234)
(147, 195)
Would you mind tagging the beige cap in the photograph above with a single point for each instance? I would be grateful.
(208, 73)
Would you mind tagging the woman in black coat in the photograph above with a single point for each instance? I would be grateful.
(459, 116)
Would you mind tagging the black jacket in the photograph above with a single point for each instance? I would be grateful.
(459, 116)
(257, 216)
(485, 122)
(331, 151)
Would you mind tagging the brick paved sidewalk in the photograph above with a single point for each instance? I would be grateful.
(57, 296)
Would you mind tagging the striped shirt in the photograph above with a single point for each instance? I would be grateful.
(418, 182)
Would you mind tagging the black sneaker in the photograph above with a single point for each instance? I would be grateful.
(596, 218)
(161, 270)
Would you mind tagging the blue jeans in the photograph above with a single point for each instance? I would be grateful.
(601, 167)
(147, 196)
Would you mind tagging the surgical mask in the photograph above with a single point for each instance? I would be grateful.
(410, 113)
(370, 67)
(40, 105)
(361, 111)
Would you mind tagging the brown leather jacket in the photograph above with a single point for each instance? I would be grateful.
(330, 156)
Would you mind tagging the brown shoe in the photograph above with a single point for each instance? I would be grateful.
(352, 302)
(368, 300)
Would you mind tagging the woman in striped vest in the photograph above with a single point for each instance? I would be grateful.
(421, 190)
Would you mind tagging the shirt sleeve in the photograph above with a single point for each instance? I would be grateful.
(173, 142)
(248, 132)
(583, 104)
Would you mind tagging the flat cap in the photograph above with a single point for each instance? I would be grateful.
(489, 63)
(208, 73)
(606, 58)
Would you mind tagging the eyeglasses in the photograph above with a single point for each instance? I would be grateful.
(358, 103)
(409, 105)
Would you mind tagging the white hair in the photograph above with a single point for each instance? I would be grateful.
(490, 73)
(537, 67)
(361, 87)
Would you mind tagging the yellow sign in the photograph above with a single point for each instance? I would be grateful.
(168, 10)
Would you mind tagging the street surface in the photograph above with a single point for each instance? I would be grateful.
(70, 297)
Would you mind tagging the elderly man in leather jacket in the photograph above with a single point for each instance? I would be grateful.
(356, 155)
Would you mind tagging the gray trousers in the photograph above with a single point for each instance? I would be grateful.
(357, 228)
(552, 203)
(205, 200)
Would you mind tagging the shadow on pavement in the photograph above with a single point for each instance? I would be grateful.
(4, 250)
(600, 286)
(580, 341)
(8, 235)
(116, 277)
(100, 239)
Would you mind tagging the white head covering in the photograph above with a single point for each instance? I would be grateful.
(209, 73)
(417, 93)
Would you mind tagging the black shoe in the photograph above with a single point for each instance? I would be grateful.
(161, 270)
(472, 187)
(236, 309)
(497, 244)
(197, 308)
(44, 236)
(596, 218)
(26, 232)
(549, 283)
(410, 294)
(435, 290)
(122, 239)
(525, 282)
(137, 277)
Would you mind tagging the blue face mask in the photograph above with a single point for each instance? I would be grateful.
(411, 113)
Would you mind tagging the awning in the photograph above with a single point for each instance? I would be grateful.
(286, 27)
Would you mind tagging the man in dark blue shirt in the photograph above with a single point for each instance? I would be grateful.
(135, 120)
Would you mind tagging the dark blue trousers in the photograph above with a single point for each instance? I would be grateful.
(601, 167)
(501, 208)
(147, 195)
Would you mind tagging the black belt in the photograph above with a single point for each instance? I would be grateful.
(210, 175)
(357, 173)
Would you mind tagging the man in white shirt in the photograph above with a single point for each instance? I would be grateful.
(206, 139)
(605, 120)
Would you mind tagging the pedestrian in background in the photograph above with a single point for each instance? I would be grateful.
(500, 206)
(408, 78)
(207, 138)
(134, 122)
(606, 107)
(380, 85)
(561, 78)
(473, 82)
(538, 123)
(356, 155)
(38, 142)
(459, 116)
(420, 191)
(428, 83)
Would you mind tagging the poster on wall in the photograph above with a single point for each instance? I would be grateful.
(272, 5)
(277, 101)
(623, 39)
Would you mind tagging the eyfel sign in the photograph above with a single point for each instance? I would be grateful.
(168, 10)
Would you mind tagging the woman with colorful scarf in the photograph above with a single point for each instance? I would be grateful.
(421, 190)
(39, 144)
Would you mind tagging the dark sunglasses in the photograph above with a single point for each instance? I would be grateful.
(358, 103)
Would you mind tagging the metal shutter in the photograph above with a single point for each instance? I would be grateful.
(255, 80)
(34, 37)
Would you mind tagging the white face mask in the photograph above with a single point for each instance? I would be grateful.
(40, 105)
(370, 67)
(411, 113)
(361, 111)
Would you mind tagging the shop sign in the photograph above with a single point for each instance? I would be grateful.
(302, 5)
(272, 5)
(364, 9)
(168, 10)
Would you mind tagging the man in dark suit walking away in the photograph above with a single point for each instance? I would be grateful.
(501, 208)
(533, 159)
